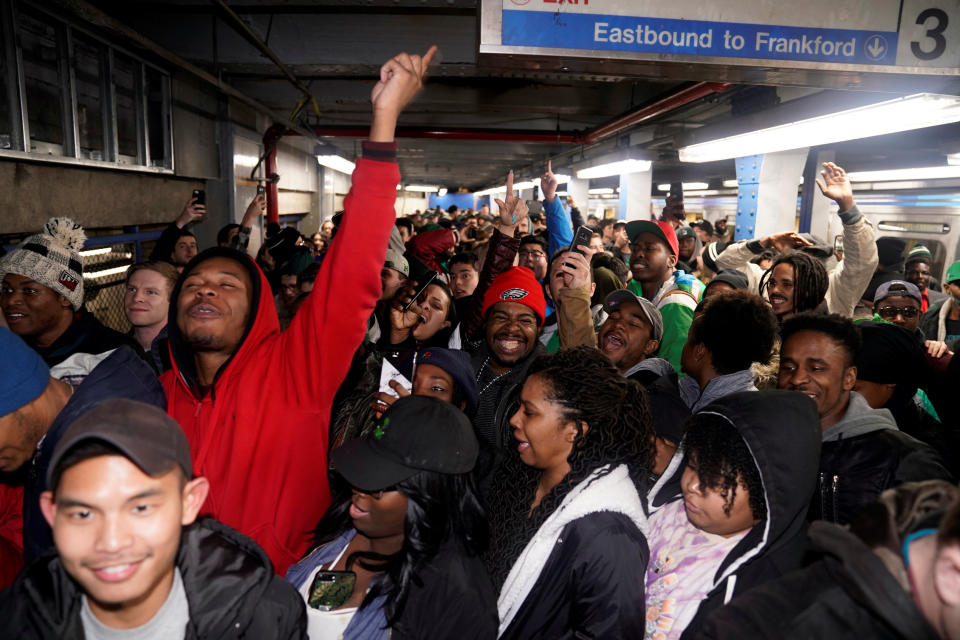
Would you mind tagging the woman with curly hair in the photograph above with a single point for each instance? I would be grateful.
(568, 550)
(398, 551)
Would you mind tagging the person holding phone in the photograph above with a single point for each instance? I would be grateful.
(177, 244)
(397, 552)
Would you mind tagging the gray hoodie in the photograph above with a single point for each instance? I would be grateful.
(859, 419)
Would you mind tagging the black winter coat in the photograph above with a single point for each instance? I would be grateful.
(591, 586)
(85, 334)
(232, 593)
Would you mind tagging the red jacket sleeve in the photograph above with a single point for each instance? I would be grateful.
(11, 533)
(319, 343)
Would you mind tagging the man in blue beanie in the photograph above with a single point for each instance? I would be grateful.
(35, 408)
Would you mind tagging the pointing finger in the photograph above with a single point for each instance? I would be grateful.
(549, 170)
(509, 184)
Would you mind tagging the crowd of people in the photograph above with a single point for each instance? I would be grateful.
(462, 424)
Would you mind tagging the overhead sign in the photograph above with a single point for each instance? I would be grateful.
(922, 35)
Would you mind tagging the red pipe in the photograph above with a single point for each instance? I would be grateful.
(270, 139)
(654, 109)
(452, 134)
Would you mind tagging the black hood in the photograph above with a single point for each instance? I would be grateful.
(182, 354)
(782, 431)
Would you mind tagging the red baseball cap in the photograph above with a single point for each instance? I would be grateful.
(517, 284)
(663, 230)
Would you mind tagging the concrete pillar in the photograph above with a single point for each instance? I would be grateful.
(767, 196)
(578, 191)
(635, 195)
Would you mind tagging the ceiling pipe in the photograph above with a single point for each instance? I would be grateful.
(659, 107)
(270, 139)
(452, 134)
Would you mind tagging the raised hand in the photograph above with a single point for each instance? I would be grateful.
(254, 210)
(191, 212)
(512, 209)
(548, 184)
(786, 240)
(835, 185)
(576, 268)
(401, 77)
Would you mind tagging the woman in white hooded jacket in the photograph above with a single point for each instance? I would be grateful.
(568, 549)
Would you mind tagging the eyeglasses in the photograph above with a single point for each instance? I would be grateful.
(376, 495)
(890, 313)
(536, 255)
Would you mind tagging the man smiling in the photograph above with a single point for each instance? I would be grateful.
(863, 451)
(131, 559)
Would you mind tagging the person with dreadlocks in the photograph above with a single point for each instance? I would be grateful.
(729, 512)
(397, 552)
(568, 550)
(842, 288)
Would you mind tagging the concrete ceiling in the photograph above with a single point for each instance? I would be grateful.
(334, 49)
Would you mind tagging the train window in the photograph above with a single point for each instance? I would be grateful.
(909, 226)
(88, 60)
(158, 122)
(39, 41)
(125, 83)
(6, 117)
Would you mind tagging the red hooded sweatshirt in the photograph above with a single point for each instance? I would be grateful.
(259, 434)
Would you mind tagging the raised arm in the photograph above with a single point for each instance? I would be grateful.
(255, 209)
(322, 338)
(559, 226)
(168, 239)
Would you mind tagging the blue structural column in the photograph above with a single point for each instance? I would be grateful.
(748, 188)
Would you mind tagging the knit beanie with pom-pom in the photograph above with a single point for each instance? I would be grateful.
(51, 258)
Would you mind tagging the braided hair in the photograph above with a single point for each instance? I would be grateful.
(810, 279)
(588, 389)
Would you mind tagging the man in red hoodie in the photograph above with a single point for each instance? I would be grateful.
(255, 401)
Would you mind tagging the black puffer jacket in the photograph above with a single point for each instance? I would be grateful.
(786, 457)
(232, 593)
(862, 456)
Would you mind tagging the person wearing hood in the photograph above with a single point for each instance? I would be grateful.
(891, 575)
(891, 367)
(917, 272)
(568, 550)
(254, 401)
(132, 560)
(689, 248)
(653, 260)
(42, 293)
(847, 281)
(941, 322)
(864, 452)
(729, 512)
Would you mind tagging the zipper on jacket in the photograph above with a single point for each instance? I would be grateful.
(823, 498)
(833, 496)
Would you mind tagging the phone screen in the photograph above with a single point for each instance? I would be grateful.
(399, 366)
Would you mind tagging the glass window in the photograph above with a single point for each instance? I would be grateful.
(88, 59)
(125, 86)
(6, 76)
(157, 133)
(41, 72)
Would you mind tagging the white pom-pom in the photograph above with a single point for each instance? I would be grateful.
(66, 232)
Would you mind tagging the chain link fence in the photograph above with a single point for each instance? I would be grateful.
(104, 277)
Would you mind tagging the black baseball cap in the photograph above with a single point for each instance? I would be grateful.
(144, 433)
(417, 433)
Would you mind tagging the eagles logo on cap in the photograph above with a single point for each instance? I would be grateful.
(514, 294)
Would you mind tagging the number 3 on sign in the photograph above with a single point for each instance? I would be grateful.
(929, 34)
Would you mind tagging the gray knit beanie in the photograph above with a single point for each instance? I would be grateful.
(51, 258)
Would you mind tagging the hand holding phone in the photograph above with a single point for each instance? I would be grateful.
(581, 238)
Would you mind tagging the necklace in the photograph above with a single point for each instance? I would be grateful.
(480, 375)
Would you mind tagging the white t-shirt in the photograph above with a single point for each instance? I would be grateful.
(168, 623)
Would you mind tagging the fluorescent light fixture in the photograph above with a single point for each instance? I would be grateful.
(730, 184)
(918, 173)
(562, 194)
(86, 253)
(617, 168)
(915, 111)
(702, 192)
(490, 191)
(526, 184)
(425, 188)
(953, 158)
(106, 272)
(442, 191)
(241, 160)
(687, 186)
(599, 191)
(337, 163)
(561, 178)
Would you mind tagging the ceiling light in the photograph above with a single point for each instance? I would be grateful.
(106, 272)
(918, 173)
(702, 192)
(527, 184)
(337, 163)
(561, 178)
(442, 191)
(425, 188)
(86, 253)
(616, 168)
(730, 184)
(687, 186)
(241, 160)
(953, 158)
(562, 194)
(900, 114)
(599, 191)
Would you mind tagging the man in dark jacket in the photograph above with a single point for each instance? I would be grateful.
(156, 573)
(917, 272)
(893, 575)
(42, 295)
(39, 408)
(864, 453)
(941, 322)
